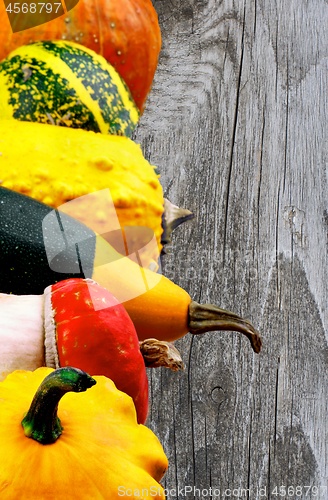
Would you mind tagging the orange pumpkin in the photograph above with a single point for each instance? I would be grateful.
(125, 32)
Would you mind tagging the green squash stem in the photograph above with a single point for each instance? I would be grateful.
(41, 422)
(207, 317)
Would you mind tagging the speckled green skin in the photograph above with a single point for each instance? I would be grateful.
(39, 91)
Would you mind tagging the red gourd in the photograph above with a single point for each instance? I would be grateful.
(125, 32)
(86, 327)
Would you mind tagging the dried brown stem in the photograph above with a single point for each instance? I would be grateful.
(207, 317)
(172, 218)
(157, 353)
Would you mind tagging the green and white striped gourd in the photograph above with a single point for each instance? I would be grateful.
(64, 83)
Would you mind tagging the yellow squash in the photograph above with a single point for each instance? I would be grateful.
(55, 165)
(93, 449)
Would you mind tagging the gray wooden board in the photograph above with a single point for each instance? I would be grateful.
(236, 123)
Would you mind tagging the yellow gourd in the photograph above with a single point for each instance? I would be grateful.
(57, 164)
(94, 449)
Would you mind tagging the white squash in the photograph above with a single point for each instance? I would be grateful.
(21, 333)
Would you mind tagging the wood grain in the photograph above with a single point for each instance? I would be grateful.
(236, 123)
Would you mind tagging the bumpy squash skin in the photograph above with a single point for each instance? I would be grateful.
(62, 164)
(125, 32)
(101, 448)
(66, 84)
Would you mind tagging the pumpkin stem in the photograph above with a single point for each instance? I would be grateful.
(41, 422)
(173, 216)
(207, 317)
(159, 353)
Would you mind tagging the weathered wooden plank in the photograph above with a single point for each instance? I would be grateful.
(236, 123)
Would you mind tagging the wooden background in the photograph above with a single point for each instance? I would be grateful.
(236, 123)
